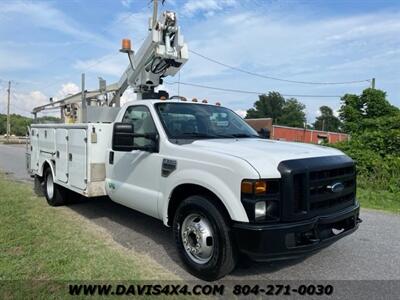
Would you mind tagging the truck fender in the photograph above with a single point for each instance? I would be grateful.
(210, 182)
(52, 167)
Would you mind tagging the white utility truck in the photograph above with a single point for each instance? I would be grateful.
(198, 167)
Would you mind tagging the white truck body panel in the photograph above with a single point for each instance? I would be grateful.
(62, 154)
(77, 163)
(75, 152)
(264, 155)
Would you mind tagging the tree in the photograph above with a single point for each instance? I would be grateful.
(370, 104)
(283, 112)
(293, 114)
(20, 123)
(327, 120)
(268, 106)
(374, 125)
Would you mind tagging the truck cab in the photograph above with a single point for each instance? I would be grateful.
(204, 171)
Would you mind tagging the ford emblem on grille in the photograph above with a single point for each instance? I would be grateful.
(336, 187)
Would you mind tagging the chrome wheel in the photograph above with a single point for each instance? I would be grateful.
(50, 186)
(198, 238)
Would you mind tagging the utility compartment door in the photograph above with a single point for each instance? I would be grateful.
(77, 165)
(62, 155)
(34, 149)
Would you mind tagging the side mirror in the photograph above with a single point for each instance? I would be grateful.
(264, 133)
(124, 136)
(122, 139)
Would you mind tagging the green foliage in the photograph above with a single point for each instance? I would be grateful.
(283, 112)
(375, 141)
(292, 114)
(374, 170)
(327, 120)
(19, 124)
(268, 106)
(371, 104)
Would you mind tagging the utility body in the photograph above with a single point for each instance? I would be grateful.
(198, 167)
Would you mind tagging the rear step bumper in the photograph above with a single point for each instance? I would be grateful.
(296, 239)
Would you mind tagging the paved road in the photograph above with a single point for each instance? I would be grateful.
(373, 252)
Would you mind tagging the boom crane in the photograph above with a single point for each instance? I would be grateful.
(163, 53)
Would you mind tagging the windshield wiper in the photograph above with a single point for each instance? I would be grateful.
(238, 135)
(186, 135)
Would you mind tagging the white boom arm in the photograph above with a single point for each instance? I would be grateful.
(162, 54)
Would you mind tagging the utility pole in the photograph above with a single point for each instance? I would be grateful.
(84, 104)
(373, 83)
(8, 111)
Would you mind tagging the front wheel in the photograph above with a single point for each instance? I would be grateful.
(203, 238)
(55, 194)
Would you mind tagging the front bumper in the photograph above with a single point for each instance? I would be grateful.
(269, 242)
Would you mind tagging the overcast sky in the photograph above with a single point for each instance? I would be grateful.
(46, 45)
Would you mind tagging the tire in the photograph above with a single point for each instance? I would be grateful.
(55, 195)
(216, 254)
(38, 186)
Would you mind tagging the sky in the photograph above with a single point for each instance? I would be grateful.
(46, 45)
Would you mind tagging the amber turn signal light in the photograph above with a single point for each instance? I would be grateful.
(247, 187)
(260, 187)
(254, 187)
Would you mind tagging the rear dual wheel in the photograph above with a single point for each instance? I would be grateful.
(203, 238)
(55, 194)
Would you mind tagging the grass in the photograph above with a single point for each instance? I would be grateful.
(379, 199)
(47, 244)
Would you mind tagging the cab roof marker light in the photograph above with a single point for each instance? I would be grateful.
(204, 101)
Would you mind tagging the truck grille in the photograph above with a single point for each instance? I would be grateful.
(321, 197)
(308, 186)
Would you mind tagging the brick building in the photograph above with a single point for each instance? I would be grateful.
(285, 133)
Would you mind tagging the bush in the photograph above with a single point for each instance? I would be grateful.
(377, 158)
(374, 171)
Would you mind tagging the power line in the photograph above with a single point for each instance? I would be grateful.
(83, 42)
(275, 78)
(248, 92)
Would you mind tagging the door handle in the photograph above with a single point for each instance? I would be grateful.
(111, 158)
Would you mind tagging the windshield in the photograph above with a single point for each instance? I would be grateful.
(196, 121)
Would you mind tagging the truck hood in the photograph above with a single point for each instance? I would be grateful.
(264, 155)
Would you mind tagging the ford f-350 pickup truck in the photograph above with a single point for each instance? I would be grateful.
(203, 171)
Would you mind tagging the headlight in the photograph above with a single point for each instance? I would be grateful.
(260, 199)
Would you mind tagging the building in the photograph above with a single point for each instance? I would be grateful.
(258, 124)
(292, 134)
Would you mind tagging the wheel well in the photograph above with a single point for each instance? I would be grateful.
(183, 191)
(46, 165)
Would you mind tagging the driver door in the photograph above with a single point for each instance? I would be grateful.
(133, 177)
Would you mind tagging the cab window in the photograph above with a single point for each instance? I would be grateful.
(143, 123)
